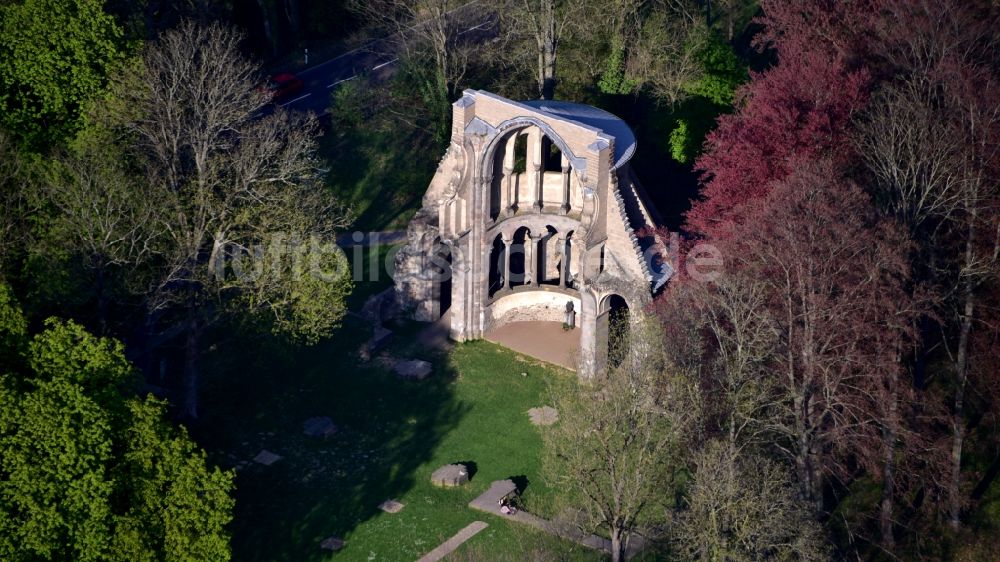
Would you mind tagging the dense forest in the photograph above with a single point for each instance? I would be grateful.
(838, 371)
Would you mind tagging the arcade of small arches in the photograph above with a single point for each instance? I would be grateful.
(531, 173)
(523, 258)
(535, 203)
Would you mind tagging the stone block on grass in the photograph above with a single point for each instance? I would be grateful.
(450, 475)
(391, 506)
(546, 415)
(320, 426)
(380, 339)
(332, 544)
(266, 458)
(414, 369)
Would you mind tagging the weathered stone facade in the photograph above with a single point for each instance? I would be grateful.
(533, 206)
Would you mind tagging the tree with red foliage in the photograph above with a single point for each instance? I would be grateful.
(844, 30)
(930, 144)
(926, 150)
(975, 234)
(833, 273)
(799, 110)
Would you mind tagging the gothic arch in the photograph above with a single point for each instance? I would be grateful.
(505, 129)
(488, 160)
(614, 329)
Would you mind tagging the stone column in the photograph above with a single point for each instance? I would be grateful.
(538, 171)
(566, 179)
(530, 262)
(506, 239)
(564, 265)
(459, 291)
(510, 205)
(569, 261)
(587, 321)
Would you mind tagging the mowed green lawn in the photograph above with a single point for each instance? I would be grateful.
(393, 434)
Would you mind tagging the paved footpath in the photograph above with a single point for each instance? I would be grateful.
(489, 502)
(449, 546)
(547, 341)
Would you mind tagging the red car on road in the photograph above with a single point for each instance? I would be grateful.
(284, 86)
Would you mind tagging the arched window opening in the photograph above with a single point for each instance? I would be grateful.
(551, 155)
(497, 184)
(619, 330)
(441, 270)
(549, 258)
(519, 257)
(520, 153)
(497, 259)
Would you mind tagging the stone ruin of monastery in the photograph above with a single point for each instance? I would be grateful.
(534, 211)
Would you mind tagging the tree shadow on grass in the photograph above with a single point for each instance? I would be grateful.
(382, 176)
(259, 396)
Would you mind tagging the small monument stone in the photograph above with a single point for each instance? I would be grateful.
(414, 369)
(266, 458)
(391, 506)
(450, 476)
(319, 427)
(570, 321)
(333, 544)
(546, 415)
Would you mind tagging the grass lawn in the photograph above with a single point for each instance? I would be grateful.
(393, 435)
(381, 176)
(370, 278)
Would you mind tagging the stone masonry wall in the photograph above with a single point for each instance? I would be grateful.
(544, 306)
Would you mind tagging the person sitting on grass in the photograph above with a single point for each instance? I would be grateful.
(506, 507)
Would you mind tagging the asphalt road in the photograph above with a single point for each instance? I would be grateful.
(320, 80)
(371, 59)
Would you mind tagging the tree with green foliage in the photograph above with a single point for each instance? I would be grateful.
(250, 233)
(179, 507)
(428, 37)
(743, 507)
(55, 444)
(534, 29)
(55, 55)
(681, 142)
(66, 351)
(736, 14)
(617, 442)
(101, 217)
(614, 80)
(708, 93)
(13, 326)
(88, 472)
(647, 47)
(721, 71)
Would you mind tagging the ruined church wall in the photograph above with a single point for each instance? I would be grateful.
(545, 306)
(495, 110)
